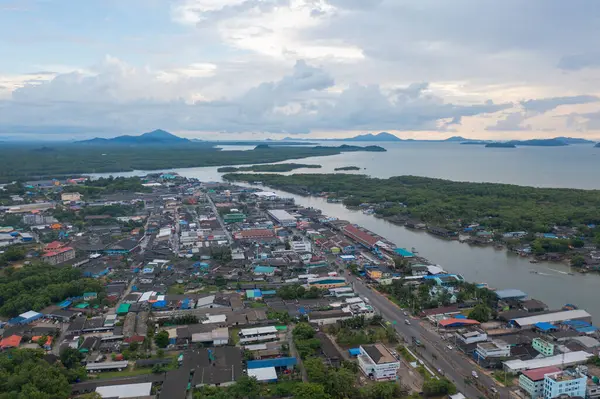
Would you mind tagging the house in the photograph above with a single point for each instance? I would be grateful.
(234, 218)
(326, 317)
(494, 348)
(542, 346)
(61, 255)
(377, 362)
(262, 235)
(571, 383)
(12, 341)
(264, 271)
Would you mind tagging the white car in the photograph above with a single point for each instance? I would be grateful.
(474, 374)
(405, 313)
(450, 347)
(493, 389)
(406, 321)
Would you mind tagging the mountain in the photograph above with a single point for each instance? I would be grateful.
(383, 136)
(458, 139)
(154, 137)
(539, 143)
(574, 140)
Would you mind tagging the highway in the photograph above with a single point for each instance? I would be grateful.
(435, 351)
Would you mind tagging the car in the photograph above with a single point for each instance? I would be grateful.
(450, 347)
(474, 374)
(406, 321)
(493, 389)
(405, 313)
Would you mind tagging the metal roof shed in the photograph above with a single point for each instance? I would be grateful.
(125, 391)
(264, 374)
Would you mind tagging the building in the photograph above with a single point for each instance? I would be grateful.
(511, 294)
(565, 359)
(60, 255)
(140, 390)
(326, 282)
(282, 217)
(532, 381)
(544, 347)
(377, 363)
(496, 348)
(366, 239)
(234, 218)
(555, 317)
(567, 382)
(259, 334)
(301, 246)
(264, 271)
(255, 235)
(326, 317)
(471, 337)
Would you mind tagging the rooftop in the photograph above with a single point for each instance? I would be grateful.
(379, 353)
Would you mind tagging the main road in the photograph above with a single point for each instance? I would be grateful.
(435, 351)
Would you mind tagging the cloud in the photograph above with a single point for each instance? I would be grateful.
(120, 97)
(547, 104)
(512, 122)
(579, 61)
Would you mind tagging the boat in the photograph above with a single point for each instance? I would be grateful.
(571, 274)
(533, 272)
(534, 261)
(414, 250)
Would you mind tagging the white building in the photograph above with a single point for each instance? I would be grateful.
(377, 363)
(125, 391)
(282, 217)
(259, 334)
(565, 359)
(493, 349)
(568, 382)
(471, 337)
(301, 246)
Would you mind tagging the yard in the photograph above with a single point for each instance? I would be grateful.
(128, 372)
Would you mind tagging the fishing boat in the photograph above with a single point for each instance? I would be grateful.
(534, 261)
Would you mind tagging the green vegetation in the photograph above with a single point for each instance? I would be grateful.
(405, 354)
(482, 313)
(504, 378)
(347, 168)
(450, 204)
(162, 339)
(441, 387)
(360, 331)
(305, 341)
(26, 161)
(108, 185)
(13, 253)
(24, 374)
(282, 167)
(297, 291)
(35, 286)
(128, 372)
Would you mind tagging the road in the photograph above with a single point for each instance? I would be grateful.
(435, 351)
(219, 219)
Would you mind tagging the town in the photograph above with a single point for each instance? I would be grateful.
(170, 287)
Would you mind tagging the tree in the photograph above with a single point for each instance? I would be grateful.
(220, 281)
(162, 339)
(578, 261)
(303, 331)
(481, 313)
(71, 357)
(160, 353)
(439, 387)
(245, 388)
(310, 390)
(134, 346)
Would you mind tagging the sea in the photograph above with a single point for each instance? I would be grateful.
(575, 166)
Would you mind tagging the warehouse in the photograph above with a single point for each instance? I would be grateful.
(125, 391)
(282, 217)
(556, 317)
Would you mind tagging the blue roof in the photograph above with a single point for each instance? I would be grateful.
(545, 326)
(510, 293)
(354, 351)
(264, 269)
(65, 304)
(404, 252)
(460, 316)
(277, 362)
(550, 235)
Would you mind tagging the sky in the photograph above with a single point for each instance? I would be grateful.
(253, 69)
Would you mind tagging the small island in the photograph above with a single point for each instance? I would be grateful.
(347, 168)
(597, 145)
(282, 167)
(500, 145)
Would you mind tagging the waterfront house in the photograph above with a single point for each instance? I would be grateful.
(441, 232)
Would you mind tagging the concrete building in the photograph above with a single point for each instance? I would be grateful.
(555, 317)
(282, 217)
(544, 347)
(301, 246)
(492, 349)
(234, 218)
(70, 197)
(471, 337)
(565, 359)
(532, 381)
(59, 256)
(568, 382)
(377, 363)
(326, 317)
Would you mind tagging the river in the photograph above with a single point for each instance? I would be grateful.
(572, 167)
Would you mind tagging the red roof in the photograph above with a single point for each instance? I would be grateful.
(135, 338)
(38, 337)
(10, 342)
(458, 322)
(54, 245)
(538, 374)
(58, 251)
(360, 235)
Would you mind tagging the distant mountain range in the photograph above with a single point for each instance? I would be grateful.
(555, 142)
(154, 137)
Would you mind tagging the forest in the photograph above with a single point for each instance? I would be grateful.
(35, 286)
(446, 203)
(282, 167)
(28, 161)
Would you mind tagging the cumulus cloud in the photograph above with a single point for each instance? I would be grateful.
(124, 98)
(546, 104)
(512, 122)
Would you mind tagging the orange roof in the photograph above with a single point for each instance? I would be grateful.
(11, 342)
(58, 251)
(56, 226)
(458, 322)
